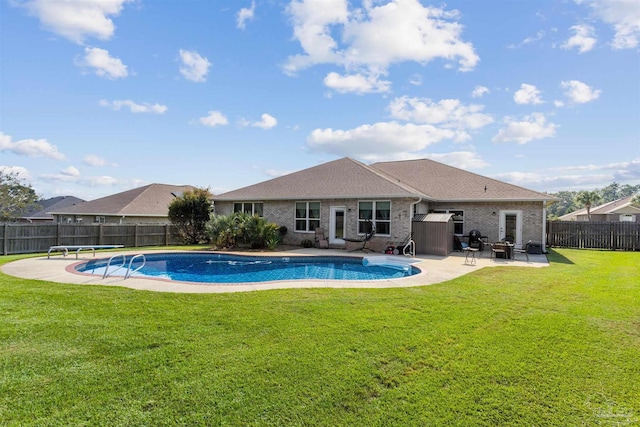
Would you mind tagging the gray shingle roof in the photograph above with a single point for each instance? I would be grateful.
(348, 178)
(341, 179)
(441, 182)
(52, 204)
(150, 200)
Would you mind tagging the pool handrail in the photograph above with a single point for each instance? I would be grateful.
(129, 272)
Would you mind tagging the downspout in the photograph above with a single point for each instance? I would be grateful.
(412, 213)
(544, 226)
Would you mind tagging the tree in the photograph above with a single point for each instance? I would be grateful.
(16, 198)
(635, 201)
(588, 199)
(190, 213)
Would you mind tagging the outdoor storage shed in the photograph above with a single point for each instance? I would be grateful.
(433, 233)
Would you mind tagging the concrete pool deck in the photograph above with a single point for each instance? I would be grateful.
(435, 269)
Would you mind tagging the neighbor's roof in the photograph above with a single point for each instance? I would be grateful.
(441, 182)
(150, 200)
(48, 205)
(622, 205)
(340, 179)
(347, 178)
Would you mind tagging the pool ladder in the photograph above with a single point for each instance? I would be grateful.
(124, 261)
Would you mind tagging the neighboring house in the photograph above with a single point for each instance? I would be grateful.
(144, 205)
(342, 195)
(41, 213)
(619, 210)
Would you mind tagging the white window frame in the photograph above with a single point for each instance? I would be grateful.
(309, 222)
(101, 219)
(373, 214)
(245, 205)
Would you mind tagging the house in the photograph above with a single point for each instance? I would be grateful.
(620, 210)
(41, 212)
(148, 205)
(342, 196)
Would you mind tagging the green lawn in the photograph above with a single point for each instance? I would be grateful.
(501, 346)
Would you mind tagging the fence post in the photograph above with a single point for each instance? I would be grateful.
(135, 236)
(100, 235)
(166, 234)
(58, 239)
(6, 240)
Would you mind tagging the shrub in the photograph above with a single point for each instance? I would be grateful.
(190, 213)
(306, 243)
(227, 231)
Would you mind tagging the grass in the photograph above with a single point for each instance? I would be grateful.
(501, 346)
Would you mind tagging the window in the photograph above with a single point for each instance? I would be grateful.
(251, 208)
(307, 216)
(627, 218)
(101, 220)
(458, 219)
(378, 212)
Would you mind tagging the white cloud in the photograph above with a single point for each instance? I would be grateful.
(368, 40)
(576, 177)
(77, 19)
(267, 122)
(583, 38)
(30, 147)
(245, 14)
(623, 15)
(448, 113)
(539, 36)
(194, 67)
(215, 118)
(460, 159)
(96, 161)
(527, 94)
(71, 171)
(382, 140)
(416, 80)
(72, 175)
(134, 107)
(20, 172)
(103, 64)
(356, 83)
(578, 92)
(532, 127)
(479, 91)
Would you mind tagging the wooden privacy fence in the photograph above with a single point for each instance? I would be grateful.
(21, 238)
(594, 235)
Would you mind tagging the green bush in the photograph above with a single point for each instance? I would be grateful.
(228, 231)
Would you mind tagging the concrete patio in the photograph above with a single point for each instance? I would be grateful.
(434, 269)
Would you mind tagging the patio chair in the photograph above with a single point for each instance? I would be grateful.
(498, 249)
(321, 240)
(524, 250)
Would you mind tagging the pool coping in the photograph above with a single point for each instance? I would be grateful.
(434, 269)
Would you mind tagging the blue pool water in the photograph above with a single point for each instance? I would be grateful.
(224, 268)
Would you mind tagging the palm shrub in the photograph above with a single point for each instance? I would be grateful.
(225, 231)
(228, 231)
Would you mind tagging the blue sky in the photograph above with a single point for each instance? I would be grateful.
(97, 97)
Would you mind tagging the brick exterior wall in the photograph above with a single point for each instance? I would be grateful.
(477, 216)
(283, 213)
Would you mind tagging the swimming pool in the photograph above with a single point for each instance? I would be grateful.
(225, 268)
